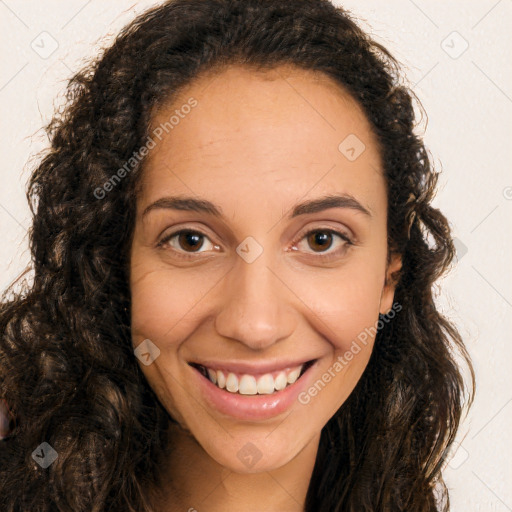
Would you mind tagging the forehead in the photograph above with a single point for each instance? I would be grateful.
(286, 130)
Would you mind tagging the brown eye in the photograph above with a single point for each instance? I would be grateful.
(186, 241)
(190, 240)
(320, 239)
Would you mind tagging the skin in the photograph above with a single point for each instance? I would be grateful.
(255, 145)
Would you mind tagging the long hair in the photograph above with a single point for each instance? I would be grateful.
(68, 370)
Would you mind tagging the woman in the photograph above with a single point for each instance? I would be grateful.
(232, 306)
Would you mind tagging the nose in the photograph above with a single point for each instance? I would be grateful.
(255, 307)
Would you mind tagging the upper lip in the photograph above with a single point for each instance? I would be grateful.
(251, 368)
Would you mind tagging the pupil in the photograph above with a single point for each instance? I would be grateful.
(191, 239)
(320, 237)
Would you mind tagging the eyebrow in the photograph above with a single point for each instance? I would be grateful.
(307, 207)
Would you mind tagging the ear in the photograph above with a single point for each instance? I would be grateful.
(388, 291)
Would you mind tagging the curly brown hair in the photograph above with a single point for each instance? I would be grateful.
(68, 370)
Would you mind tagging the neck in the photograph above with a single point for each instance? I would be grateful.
(194, 482)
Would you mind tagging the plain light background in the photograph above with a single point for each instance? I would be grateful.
(457, 57)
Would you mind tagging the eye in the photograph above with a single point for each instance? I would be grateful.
(186, 241)
(321, 240)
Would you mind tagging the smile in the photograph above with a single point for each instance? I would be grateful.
(253, 384)
(250, 392)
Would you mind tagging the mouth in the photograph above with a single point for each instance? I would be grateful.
(269, 383)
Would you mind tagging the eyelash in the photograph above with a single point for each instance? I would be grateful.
(320, 256)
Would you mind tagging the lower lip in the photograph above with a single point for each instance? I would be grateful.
(252, 407)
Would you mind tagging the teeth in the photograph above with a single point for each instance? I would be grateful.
(293, 376)
(232, 383)
(265, 384)
(213, 376)
(221, 380)
(281, 381)
(249, 385)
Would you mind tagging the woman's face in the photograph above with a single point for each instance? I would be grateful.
(247, 291)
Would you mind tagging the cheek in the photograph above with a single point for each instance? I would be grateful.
(343, 304)
(344, 310)
(164, 301)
